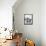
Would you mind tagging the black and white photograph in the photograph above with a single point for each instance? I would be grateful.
(28, 19)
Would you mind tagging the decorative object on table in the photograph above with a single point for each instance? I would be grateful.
(8, 34)
(18, 39)
(29, 43)
(5, 29)
(28, 19)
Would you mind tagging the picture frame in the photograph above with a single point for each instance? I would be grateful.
(28, 19)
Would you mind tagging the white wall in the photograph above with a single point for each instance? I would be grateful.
(43, 22)
(6, 13)
(29, 31)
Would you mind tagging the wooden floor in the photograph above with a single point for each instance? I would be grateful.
(9, 43)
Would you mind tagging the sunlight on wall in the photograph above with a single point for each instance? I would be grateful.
(6, 13)
(6, 18)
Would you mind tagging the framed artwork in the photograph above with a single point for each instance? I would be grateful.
(28, 19)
